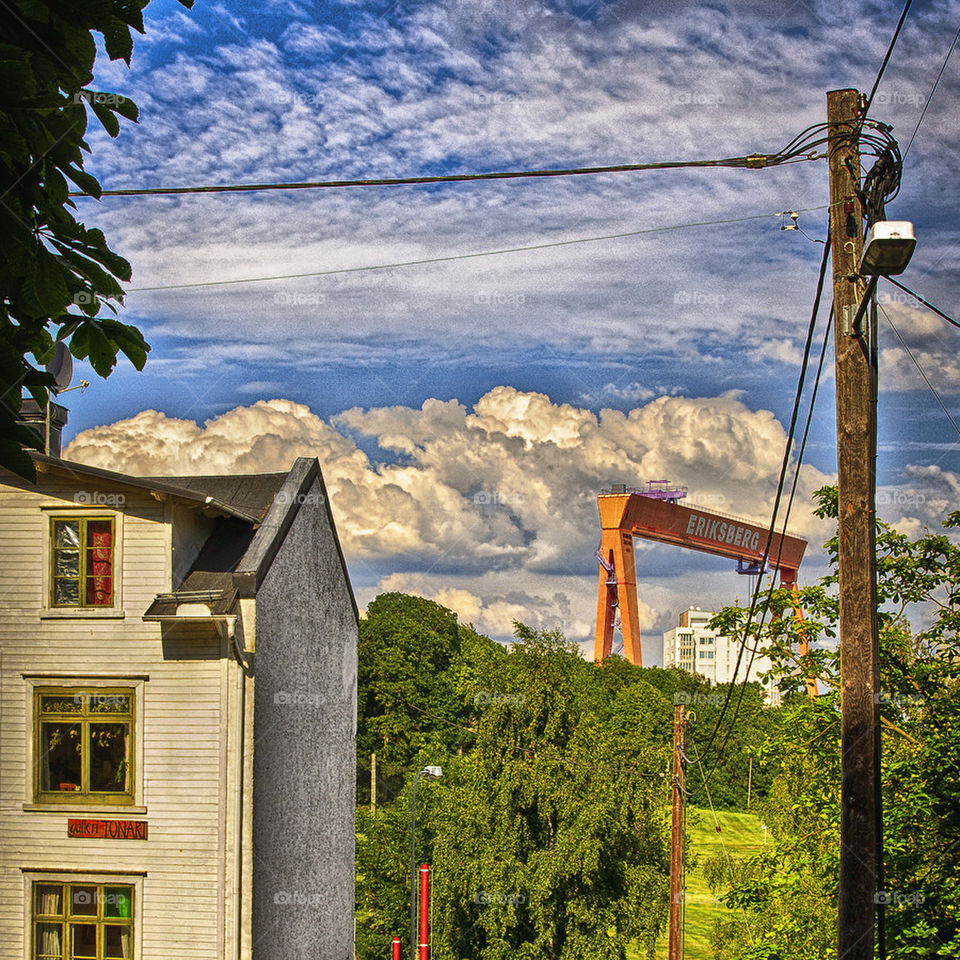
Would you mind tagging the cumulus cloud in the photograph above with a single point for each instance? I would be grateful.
(261, 438)
(920, 500)
(504, 489)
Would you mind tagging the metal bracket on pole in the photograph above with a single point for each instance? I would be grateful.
(850, 321)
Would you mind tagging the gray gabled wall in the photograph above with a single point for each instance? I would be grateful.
(304, 751)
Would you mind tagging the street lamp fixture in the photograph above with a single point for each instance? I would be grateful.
(887, 250)
(435, 772)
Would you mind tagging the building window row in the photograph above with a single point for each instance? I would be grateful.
(83, 745)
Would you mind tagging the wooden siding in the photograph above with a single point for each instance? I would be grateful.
(188, 766)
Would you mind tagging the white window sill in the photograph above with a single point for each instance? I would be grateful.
(90, 811)
(82, 613)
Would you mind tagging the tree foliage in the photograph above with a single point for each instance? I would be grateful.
(789, 894)
(548, 836)
(411, 653)
(548, 830)
(56, 274)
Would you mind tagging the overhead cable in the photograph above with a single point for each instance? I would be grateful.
(795, 152)
(886, 58)
(460, 256)
(793, 491)
(936, 84)
(916, 363)
(926, 303)
(780, 487)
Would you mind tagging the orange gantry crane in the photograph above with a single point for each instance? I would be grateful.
(657, 514)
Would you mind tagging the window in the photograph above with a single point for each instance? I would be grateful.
(84, 744)
(82, 561)
(82, 921)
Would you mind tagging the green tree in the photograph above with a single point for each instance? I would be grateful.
(790, 893)
(732, 774)
(548, 837)
(56, 275)
(412, 655)
(738, 744)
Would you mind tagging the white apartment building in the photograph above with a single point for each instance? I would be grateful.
(694, 647)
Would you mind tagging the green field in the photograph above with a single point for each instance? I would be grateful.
(742, 835)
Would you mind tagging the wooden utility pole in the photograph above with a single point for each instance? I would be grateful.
(675, 946)
(856, 452)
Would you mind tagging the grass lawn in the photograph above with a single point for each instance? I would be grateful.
(742, 835)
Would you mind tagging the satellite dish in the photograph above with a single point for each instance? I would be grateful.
(61, 366)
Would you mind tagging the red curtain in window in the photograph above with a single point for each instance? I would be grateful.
(99, 562)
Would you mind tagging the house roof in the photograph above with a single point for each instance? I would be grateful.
(255, 512)
(249, 494)
(240, 505)
(210, 580)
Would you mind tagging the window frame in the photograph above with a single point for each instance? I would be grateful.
(33, 878)
(36, 800)
(61, 512)
(83, 550)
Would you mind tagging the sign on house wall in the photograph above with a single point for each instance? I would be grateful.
(107, 829)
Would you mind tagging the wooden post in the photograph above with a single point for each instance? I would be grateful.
(675, 945)
(856, 449)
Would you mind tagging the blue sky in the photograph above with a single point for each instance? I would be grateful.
(528, 374)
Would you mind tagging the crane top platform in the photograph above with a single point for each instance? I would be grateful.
(696, 528)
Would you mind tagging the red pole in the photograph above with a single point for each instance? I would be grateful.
(424, 919)
(396, 948)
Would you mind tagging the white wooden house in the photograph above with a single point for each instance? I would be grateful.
(177, 718)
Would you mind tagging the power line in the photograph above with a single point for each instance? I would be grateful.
(936, 83)
(462, 256)
(754, 161)
(916, 363)
(886, 58)
(793, 491)
(780, 486)
(882, 152)
(926, 303)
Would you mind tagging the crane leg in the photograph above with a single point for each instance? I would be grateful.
(804, 643)
(606, 607)
(626, 572)
(617, 588)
